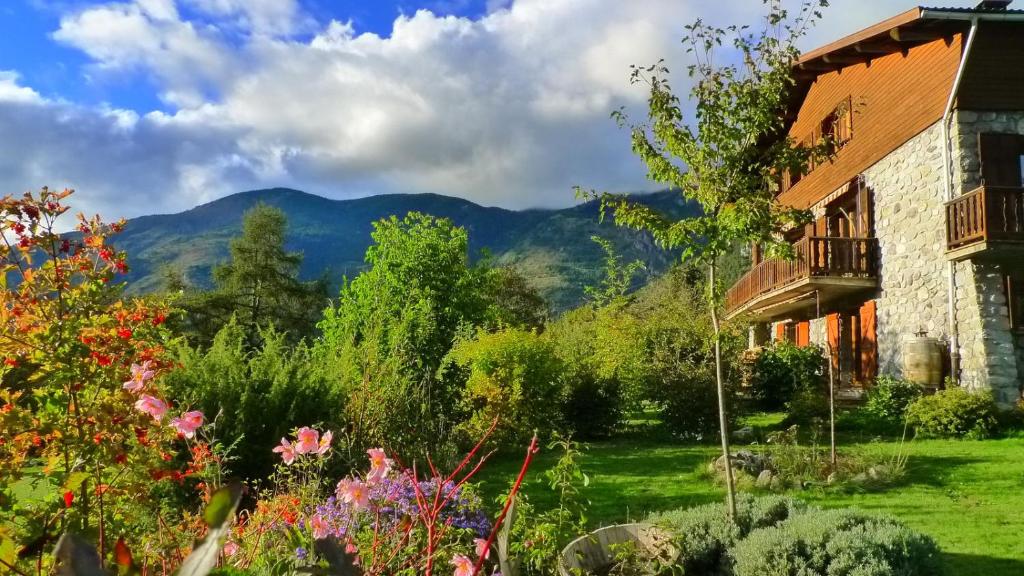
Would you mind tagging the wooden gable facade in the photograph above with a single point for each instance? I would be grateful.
(892, 98)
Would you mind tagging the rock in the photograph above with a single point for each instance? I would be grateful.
(831, 478)
(764, 479)
(744, 434)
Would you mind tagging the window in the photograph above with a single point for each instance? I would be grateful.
(837, 127)
(1002, 158)
(1013, 285)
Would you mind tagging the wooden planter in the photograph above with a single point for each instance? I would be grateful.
(595, 552)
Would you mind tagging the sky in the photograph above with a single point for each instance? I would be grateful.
(155, 106)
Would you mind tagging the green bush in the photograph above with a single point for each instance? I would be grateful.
(512, 374)
(889, 398)
(837, 543)
(705, 534)
(593, 405)
(690, 401)
(954, 413)
(256, 396)
(789, 376)
(776, 535)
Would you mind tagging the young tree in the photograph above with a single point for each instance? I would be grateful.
(727, 156)
(259, 286)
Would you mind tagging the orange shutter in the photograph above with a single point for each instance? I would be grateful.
(868, 342)
(832, 329)
(780, 331)
(803, 333)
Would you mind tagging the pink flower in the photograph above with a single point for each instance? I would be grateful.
(325, 443)
(188, 423)
(230, 548)
(350, 548)
(482, 551)
(151, 405)
(286, 450)
(319, 527)
(140, 374)
(307, 440)
(463, 566)
(354, 492)
(380, 465)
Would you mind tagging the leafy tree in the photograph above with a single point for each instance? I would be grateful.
(727, 158)
(395, 322)
(618, 277)
(259, 286)
(419, 289)
(517, 302)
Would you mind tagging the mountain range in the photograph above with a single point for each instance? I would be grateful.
(551, 247)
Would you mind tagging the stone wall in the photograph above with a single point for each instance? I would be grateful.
(909, 211)
(990, 356)
(907, 187)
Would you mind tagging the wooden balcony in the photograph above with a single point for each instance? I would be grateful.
(986, 222)
(832, 267)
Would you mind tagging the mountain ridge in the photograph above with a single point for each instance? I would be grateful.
(551, 247)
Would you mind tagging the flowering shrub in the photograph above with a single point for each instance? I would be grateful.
(88, 440)
(389, 520)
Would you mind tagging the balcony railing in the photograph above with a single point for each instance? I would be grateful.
(816, 257)
(985, 214)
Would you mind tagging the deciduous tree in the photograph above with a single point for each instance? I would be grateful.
(727, 154)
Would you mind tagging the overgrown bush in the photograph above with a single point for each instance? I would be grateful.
(593, 405)
(690, 401)
(776, 535)
(514, 374)
(257, 396)
(954, 412)
(889, 398)
(788, 376)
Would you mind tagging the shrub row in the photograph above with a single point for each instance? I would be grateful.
(776, 535)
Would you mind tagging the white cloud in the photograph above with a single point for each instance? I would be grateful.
(271, 17)
(509, 109)
(12, 92)
(148, 35)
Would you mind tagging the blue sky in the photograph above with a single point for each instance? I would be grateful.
(147, 106)
(54, 69)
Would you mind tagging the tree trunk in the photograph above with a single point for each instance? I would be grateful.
(730, 487)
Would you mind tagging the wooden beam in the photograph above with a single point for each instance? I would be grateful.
(842, 59)
(877, 47)
(819, 66)
(903, 35)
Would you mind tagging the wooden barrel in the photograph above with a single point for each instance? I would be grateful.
(596, 552)
(922, 360)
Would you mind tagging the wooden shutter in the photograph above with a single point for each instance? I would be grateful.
(780, 331)
(832, 331)
(1000, 159)
(803, 333)
(868, 342)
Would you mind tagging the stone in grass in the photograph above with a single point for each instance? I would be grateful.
(744, 434)
(764, 479)
(744, 460)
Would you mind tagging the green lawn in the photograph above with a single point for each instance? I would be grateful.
(968, 495)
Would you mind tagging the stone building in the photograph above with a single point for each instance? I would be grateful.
(919, 215)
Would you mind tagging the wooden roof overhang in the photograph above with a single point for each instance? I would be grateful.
(897, 34)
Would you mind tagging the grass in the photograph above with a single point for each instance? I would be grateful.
(968, 495)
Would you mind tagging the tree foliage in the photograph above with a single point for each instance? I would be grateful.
(728, 156)
(259, 286)
(394, 324)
